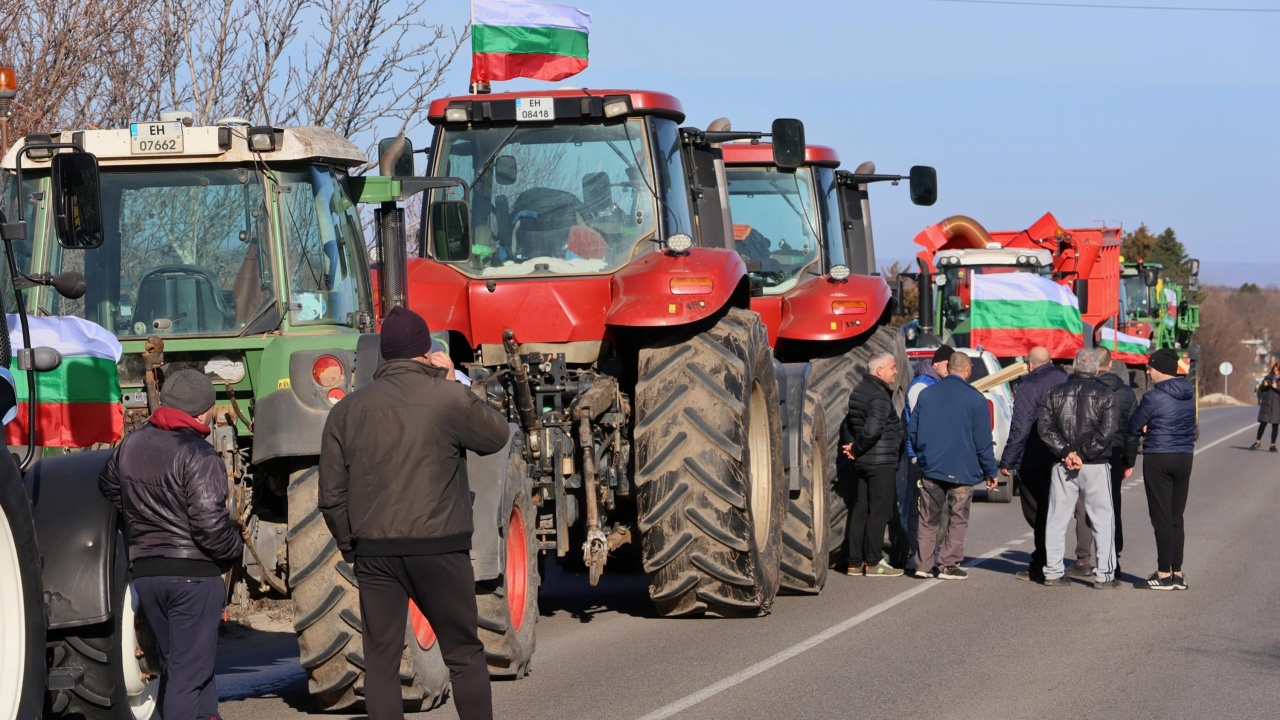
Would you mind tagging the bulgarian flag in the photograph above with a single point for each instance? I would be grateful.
(78, 404)
(1128, 349)
(1010, 313)
(520, 38)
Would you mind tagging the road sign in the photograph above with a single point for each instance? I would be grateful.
(1225, 368)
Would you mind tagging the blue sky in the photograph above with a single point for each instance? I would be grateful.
(1122, 116)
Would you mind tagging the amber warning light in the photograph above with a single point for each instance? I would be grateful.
(8, 83)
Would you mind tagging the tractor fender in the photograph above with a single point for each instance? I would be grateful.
(289, 422)
(487, 476)
(76, 531)
(664, 289)
(793, 381)
(810, 312)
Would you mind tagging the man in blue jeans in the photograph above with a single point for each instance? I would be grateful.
(950, 431)
(171, 486)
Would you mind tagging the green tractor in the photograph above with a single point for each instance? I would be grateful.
(239, 251)
(1161, 313)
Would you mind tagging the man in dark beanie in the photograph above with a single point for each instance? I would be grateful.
(1166, 418)
(171, 486)
(394, 493)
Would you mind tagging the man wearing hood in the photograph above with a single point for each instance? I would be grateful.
(1166, 418)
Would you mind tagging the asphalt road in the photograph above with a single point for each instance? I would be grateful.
(987, 647)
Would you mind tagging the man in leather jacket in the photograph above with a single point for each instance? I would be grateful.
(871, 436)
(1077, 422)
(171, 486)
(1124, 448)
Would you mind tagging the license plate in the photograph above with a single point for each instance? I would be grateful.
(535, 108)
(155, 138)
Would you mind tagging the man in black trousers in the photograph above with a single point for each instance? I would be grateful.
(1124, 447)
(172, 489)
(394, 493)
(872, 437)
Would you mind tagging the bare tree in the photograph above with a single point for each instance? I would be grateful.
(355, 66)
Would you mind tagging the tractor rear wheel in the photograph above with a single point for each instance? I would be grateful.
(709, 483)
(326, 612)
(805, 537)
(21, 605)
(833, 378)
(508, 606)
(113, 682)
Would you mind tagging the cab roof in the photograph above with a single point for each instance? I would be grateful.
(745, 153)
(500, 107)
(202, 144)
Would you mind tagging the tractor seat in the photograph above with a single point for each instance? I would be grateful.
(541, 218)
(186, 295)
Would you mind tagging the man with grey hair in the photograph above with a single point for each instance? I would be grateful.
(1124, 447)
(871, 437)
(1077, 421)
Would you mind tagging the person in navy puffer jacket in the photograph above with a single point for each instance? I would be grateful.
(1166, 418)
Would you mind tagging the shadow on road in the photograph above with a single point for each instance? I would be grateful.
(621, 591)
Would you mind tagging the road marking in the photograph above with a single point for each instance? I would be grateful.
(1224, 439)
(773, 661)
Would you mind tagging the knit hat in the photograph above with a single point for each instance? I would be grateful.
(404, 335)
(943, 353)
(1165, 361)
(190, 391)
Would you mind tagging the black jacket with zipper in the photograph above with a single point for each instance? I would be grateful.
(1079, 416)
(393, 465)
(1125, 445)
(871, 424)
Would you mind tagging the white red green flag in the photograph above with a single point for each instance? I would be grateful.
(1010, 313)
(78, 404)
(1128, 349)
(521, 38)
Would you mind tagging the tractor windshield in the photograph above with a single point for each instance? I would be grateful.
(775, 223)
(550, 199)
(188, 251)
(1138, 296)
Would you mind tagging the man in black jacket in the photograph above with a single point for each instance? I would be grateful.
(1077, 422)
(871, 436)
(1025, 452)
(1124, 448)
(171, 487)
(394, 493)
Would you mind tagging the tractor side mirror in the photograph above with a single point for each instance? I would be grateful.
(451, 230)
(924, 185)
(788, 143)
(77, 203)
(505, 170)
(1150, 276)
(395, 157)
(1193, 265)
(900, 297)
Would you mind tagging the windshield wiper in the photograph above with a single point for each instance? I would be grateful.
(491, 159)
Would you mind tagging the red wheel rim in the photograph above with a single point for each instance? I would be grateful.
(422, 631)
(517, 574)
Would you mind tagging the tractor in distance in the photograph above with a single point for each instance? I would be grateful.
(806, 236)
(1160, 313)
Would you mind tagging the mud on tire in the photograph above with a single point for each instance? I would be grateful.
(710, 491)
(805, 535)
(508, 606)
(326, 610)
(833, 378)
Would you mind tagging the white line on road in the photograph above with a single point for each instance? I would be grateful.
(777, 659)
(737, 678)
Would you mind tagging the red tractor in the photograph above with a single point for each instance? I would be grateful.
(805, 234)
(579, 265)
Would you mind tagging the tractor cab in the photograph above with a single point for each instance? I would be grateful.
(952, 286)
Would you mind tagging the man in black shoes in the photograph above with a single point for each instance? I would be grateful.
(1166, 418)
(1124, 448)
(394, 493)
(871, 436)
(1077, 421)
(172, 488)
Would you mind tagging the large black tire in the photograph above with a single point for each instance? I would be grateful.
(103, 657)
(1003, 492)
(710, 489)
(805, 539)
(833, 378)
(508, 606)
(22, 635)
(326, 612)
